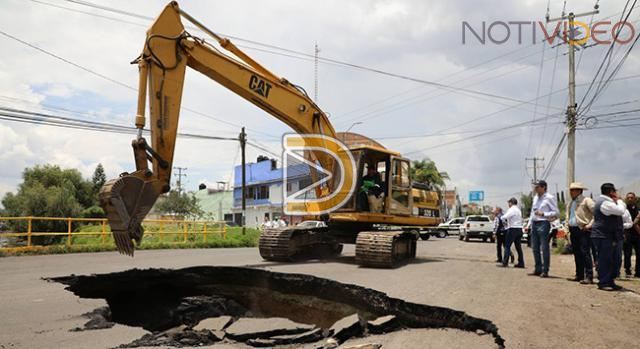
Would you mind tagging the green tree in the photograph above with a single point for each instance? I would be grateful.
(98, 179)
(180, 203)
(426, 172)
(48, 191)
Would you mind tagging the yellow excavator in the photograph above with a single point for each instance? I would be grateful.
(383, 236)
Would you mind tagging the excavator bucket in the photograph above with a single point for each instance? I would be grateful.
(126, 201)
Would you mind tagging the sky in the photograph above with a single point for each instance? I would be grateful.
(418, 39)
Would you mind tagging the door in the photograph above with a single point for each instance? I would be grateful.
(400, 201)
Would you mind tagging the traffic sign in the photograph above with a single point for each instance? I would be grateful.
(476, 195)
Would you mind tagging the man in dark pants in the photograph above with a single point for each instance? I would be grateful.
(499, 230)
(579, 216)
(513, 220)
(607, 222)
(544, 209)
(632, 237)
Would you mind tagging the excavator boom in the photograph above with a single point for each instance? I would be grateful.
(167, 52)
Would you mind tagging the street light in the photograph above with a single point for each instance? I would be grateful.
(344, 134)
(355, 123)
(444, 196)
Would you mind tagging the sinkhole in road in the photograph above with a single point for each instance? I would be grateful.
(170, 303)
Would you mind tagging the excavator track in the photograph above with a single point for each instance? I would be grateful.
(384, 249)
(276, 245)
(287, 244)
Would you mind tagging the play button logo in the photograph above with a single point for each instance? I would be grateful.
(319, 174)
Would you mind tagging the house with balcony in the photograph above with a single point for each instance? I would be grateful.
(264, 190)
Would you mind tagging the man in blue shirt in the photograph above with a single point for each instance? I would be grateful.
(544, 210)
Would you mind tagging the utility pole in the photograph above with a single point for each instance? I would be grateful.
(179, 175)
(315, 73)
(537, 164)
(243, 143)
(572, 107)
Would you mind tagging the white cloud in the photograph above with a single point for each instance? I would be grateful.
(415, 38)
(59, 90)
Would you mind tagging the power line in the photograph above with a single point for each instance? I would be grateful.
(102, 76)
(90, 71)
(485, 116)
(607, 56)
(555, 157)
(325, 59)
(535, 108)
(407, 100)
(180, 174)
(420, 99)
(479, 135)
(24, 116)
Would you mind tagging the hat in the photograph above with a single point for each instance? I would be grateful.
(577, 185)
(540, 183)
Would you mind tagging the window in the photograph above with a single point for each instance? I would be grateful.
(250, 193)
(400, 173)
(478, 219)
(305, 182)
(262, 192)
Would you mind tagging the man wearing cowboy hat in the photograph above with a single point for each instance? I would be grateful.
(579, 217)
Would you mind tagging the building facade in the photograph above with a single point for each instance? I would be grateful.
(265, 192)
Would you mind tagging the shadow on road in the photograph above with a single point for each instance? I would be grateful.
(343, 260)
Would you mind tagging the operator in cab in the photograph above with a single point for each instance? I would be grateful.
(371, 191)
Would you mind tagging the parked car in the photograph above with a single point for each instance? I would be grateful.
(312, 224)
(477, 227)
(450, 227)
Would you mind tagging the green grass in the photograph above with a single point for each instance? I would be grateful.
(174, 238)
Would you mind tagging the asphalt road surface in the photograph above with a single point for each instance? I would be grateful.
(530, 312)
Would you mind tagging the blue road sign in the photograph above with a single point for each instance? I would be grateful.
(476, 195)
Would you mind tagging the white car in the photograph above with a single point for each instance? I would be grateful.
(477, 227)
(312, 224)
(451, 227)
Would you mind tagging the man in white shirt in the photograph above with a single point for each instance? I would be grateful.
(543, 211)
(605, 232)
(513, 219)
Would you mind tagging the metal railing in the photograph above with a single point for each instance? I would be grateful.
(186, 228)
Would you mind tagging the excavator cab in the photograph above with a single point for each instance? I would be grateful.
(391, 193)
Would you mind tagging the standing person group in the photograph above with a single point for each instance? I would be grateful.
(608, 224)
(606, 227)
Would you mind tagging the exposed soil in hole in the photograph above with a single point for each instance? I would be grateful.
(174, 305)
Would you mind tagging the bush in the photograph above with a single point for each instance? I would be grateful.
(93, 212)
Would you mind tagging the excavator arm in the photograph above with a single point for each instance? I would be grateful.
(167, 52)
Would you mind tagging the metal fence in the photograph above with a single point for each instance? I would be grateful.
(185, 228)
